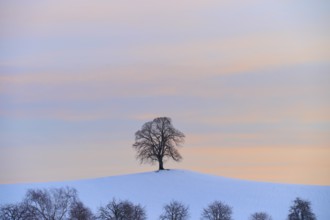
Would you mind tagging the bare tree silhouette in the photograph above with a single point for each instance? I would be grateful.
(260, 216)
(47, 204)
(217, 211)
(175, 211)
(122, 210)
(17, 211)
(79, 211)
(301, 210)
(50, 204)
(157, 141)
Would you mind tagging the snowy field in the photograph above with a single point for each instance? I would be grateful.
(154, 189)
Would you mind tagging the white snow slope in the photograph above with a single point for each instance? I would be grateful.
(154, 189)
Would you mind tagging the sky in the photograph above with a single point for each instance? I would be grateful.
(247, 82)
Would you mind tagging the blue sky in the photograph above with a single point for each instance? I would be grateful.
(78, 78)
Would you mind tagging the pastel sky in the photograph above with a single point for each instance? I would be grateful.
(246, 81)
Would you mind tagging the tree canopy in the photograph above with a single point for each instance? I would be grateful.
(157, 141)
(301, 210)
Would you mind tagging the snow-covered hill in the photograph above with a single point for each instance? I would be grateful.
(154, 189)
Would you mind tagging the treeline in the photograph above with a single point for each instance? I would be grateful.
(64, 204)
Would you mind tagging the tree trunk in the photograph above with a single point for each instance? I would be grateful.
(161, 167)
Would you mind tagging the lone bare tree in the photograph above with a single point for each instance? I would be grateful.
(157, 141)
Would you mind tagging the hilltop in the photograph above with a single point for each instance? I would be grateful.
(154, 189)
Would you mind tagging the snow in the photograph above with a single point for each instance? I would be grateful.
(155, 189)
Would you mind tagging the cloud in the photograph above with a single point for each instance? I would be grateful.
(294, 94)
(273, 164)
(92, 34)
(302, 165)
(230, 74)
(39, 163)
(41, 19)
